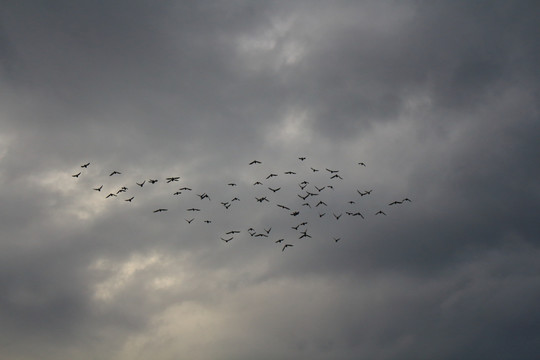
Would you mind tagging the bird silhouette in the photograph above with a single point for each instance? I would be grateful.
(380, 212)
(279, 241)
(283, 207)
(160, 210)
(99, 188)
(337, 216)
(227, 240)
(321, 215)
(76, 175)
(314, 170)
(274, 190)
(85, 165)
(193, 209)
(110, 195)
(336, 176)
(302, 158)
(190, 220)
(115, 173)
(337, 239)
(173, 178)
(255, 162)
(295, 213)
(233, 232)
(184, 188)
(332, 171)
(140, 184)
(286, 246)
(361, 163)
(231, 184)
(257, 183)
(271, 175)
(130, 199)
(153, 181)
(289, 173)
(268, 231)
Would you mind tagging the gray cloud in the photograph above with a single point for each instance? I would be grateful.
(438, 99)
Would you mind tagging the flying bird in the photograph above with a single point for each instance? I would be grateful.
(380, 212)
(131, 198)
(85, 165)
(314, 170)
(337, 239)
(286, 246)
(108, 196)
(332, 171)
(337, 216)
(184, 188)
(207, 221)
(283, 207)
(76, 175)
(289, 173)
(153, 181)
(271, 175)
(141, 184)
(173, 178)
(274, 190)
(336, 176)
(395, 203)
(99, 188)
(295, 213)
(231, 184)
(115, 173)
(321, 203)
(177, 193)
(233, 232)
(321, 215)
(268, 231)
(227, 240)
(193, 209)
(255, 162)
(361, 163)
(279, 241)
(189, 221)
(257, 183)
(160, 210)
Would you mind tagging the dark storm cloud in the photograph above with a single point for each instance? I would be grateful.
(440, 100)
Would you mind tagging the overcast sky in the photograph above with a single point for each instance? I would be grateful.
(439, 100)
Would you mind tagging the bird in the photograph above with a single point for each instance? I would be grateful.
(332, 171)
(395, 203)
(304, 234)
(193, 209)
(406, 199)
(314, 170)
(295, 213)
(306, 204)
(289, 173)
(131, 198)
(279, 241)
(261, 234)
(184, 188)
(203, 195)
(255, 162)
(336, 239)
(235, 199)
(337, 216)
(108, 196)
(286, 246)
(380, 212)
(358, 214)
(321, 203)
(177, 193)
(351, 202)
(115, 173)
(336, 176)
(153, 181)
(76, 175)
(140, 184)
(231, 184)
(208, 221)
(190, 220)
(257, 183)
(302, 158)
(261, 199)
(320, 189)
(160, 210)
(321, 215)
(227, 240)
(303, 197)
(303, 223)
(173, 178)
(99, 188)
(85, 165)
(274, 190)
(268, 231)
(271, 175)
(233, 232)
(283, 207)
(361, 163)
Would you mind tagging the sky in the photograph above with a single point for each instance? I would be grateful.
(438, 99)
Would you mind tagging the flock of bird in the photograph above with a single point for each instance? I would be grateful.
(308, 204)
